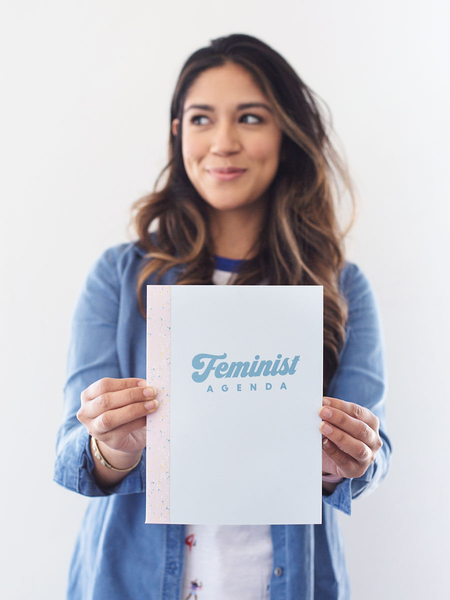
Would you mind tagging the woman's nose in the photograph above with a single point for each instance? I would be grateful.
(225, 140)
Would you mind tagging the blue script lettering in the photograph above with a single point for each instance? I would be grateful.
(198, 362)
(207, 364)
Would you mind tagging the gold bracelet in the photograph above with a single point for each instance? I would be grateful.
(105, 463)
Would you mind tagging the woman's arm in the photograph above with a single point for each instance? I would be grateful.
(94, 357)
(358, 447)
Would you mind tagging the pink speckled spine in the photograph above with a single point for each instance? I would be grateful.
(158, 423)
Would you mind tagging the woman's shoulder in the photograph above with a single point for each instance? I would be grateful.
(121, 264)
(122, 254)
(358, 292)
(119, 258)
(113, 267)
(354, 284)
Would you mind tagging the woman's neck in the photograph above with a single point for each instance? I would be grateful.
(235, 233)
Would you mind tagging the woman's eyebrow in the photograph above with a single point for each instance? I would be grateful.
(254, 105)
(244, 106)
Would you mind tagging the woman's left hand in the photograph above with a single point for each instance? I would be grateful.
(351, 438)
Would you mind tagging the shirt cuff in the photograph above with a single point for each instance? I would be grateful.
(341, 497)
(74, 468)
(349, 489)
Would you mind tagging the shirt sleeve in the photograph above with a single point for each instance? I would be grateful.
(92, 355)
(360, 378)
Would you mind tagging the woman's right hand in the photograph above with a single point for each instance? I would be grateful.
(114, 412)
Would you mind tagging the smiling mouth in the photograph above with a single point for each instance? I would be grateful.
(226, 173)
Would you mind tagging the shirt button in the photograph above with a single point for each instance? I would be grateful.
(278, 572)
(172, 567)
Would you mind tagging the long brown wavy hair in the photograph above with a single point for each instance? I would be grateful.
(301, 242)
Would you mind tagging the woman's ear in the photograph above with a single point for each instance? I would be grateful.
(175, 125)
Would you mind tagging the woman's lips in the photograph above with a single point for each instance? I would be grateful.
(226, 174)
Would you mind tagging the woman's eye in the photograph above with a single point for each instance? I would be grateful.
(199, 120)
(251, 119)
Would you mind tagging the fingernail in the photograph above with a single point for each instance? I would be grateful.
(149, 392)
(142, 383)
(151, 405)
(326, 401)
(325, 412)
(326, 428)
(324, 441)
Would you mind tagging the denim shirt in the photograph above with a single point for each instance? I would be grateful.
(117, 556)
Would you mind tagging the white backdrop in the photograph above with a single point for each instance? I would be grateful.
(83, 133)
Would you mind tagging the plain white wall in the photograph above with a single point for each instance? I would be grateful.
(83, 133)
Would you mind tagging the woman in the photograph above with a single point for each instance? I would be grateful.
(249, 198)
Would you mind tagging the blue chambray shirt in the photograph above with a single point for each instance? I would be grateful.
(117, 556)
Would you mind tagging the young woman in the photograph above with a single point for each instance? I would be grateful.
(249, 198)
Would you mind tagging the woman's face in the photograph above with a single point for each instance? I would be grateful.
(230, 139)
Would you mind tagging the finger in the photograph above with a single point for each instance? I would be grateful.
(117, 399)
(327, 464)
(112, 419)
(361, 413)
(346, 466)
(109, 384)
(116, 438)
(354, 427)
(354, 448)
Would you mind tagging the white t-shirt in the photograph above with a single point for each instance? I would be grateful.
(227, 561)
